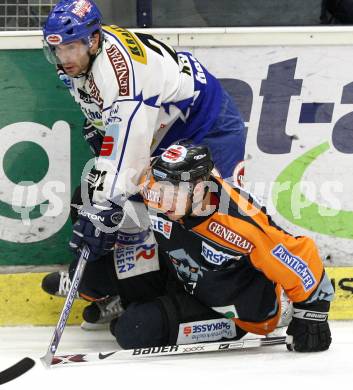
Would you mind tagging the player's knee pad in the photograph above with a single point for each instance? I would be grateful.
(190, 321)
(142, 325)
(170, 320)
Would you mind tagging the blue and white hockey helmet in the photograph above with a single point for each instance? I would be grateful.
(72, 20)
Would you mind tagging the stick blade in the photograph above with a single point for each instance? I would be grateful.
(47, 359)
(16, 370)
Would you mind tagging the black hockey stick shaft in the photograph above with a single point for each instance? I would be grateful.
(16, 370)
(54, 343)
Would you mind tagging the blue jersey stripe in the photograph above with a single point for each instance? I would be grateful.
(136, 99)
(124, 146)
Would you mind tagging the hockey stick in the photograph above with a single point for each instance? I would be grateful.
(103, 357)
(16, 370)
(27, 363)
(54, 343)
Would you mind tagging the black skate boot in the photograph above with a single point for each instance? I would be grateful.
(99, 314)
(57, 283)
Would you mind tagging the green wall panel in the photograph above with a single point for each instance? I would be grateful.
(41, 151)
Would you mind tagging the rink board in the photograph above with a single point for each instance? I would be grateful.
(24, 303)
(293, 88)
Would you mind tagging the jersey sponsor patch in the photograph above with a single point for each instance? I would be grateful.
(295, 264)
(213, 256)
(121, 69)
(130, 41)
(109, 144)
(93, 116)
(229, 235)
(199, 72)
(229, 311)
(202, 331)
(94, 91)
(133, 260)
(84, 96)
(111, 117)
(162, 226)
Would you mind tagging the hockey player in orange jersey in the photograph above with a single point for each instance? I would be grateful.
(228, 263)
(224, 266)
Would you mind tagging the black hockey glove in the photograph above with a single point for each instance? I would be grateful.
(93, 137)
(97, 229)
(134, 231)
(309, 330)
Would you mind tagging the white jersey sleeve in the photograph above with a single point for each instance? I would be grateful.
(113, 102)
(136, 91)
(125, 152)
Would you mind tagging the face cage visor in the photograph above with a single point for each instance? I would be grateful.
(65, 53)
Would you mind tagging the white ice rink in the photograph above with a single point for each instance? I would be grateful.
(268, 367)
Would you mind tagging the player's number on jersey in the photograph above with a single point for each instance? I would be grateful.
(154, 44)
(96, 179)
(200, 75)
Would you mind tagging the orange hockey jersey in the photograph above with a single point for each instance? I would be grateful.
(236, 259)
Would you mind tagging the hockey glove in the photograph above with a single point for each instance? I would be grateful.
(93, 137)
(97, 229)
(309, 330)
(134, 231)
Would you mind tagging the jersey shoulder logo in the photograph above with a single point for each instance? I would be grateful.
(295, 264)
(229, 235)
(121, 69)
(130, 41)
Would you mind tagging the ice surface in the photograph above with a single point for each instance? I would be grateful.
(269, 367)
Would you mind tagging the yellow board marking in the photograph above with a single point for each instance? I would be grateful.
(23, 302)
(130, 41)
(342, 280)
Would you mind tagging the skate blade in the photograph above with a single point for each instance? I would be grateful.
(89, 326)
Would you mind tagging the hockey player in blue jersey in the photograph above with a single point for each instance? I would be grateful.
(138, 96)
